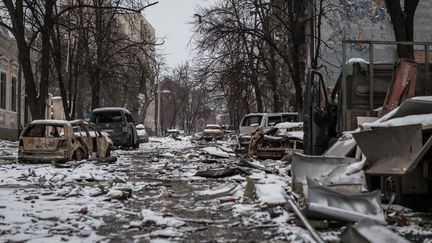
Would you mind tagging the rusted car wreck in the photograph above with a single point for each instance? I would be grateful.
(92, 139)
(49, 140)
(61, 141)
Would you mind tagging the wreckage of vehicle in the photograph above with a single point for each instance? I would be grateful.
(48, 141)
(277, 141)
(391, 154)
(93, 140)
(61, 141)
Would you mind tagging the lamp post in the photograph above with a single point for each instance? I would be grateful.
(159, 92)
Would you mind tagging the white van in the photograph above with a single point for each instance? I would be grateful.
(252, 121)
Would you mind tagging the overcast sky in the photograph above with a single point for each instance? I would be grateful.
(170, 20)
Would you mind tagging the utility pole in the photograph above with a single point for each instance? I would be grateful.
(158, 128)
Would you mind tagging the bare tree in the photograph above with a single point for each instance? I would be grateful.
(41, 29)
(263, 40)
(31, 23)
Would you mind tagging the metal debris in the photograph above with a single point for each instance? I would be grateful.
(322, 202)
(368, 231)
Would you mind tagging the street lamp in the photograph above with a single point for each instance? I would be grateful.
(159, 92)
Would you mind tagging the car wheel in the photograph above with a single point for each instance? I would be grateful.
(391, 189)
(78, 155)
(135, 145)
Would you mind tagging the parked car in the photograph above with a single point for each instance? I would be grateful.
(142, 133)
(213, 131)
(92, 139)
(48, 141)
(118, 123)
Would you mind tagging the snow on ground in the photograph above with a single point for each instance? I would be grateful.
(150, 194)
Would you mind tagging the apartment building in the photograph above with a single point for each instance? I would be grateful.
(12, 113)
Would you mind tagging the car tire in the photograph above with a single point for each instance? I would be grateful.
(78, 155)
(391, 185)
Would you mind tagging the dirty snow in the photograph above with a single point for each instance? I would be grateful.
(151, 195)
(216, 152)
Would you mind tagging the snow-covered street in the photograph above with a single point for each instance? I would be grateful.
(154, 194)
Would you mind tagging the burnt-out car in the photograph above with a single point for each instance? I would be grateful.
(97, 144)
(48, 141)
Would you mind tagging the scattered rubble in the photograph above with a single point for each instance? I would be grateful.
(169, 190)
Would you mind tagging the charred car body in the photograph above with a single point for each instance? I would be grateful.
(49, 140)
(118, 123)
(92, 139)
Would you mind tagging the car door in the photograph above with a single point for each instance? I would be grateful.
(85, 135)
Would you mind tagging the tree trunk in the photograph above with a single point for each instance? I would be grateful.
(403, 24)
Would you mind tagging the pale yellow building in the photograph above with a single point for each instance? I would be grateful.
(10, 88)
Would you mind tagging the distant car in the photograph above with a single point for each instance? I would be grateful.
(50, 141)
(142, 133)
(213, 131)
(93, 139)
(118, 123)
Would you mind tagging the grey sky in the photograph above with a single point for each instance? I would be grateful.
(170, 19)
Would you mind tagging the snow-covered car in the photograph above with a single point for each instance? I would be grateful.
(142, 133)
(93, 140)
(48, 141)
(213, 131)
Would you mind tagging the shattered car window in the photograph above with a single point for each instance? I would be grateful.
(273, 120)
(251, 120)
(290, 118)
(108, 117)
(40, 130)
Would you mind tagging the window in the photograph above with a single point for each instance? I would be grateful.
(273, 120)
(108, 117)
(14, 94)
(42, 130)
(290, 118)
(252, 120)
(2, 90)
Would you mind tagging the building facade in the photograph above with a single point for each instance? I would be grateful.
(12, 99)
(139, 30)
